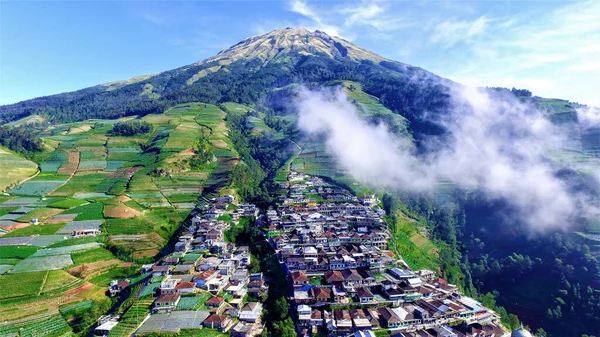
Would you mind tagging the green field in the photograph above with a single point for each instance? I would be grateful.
(90, 256)
(22, 284)
(35, 230)
(14, 169)
(87, 174)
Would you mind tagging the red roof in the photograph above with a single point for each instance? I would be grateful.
(168, 298)
(215, 301)
(185, 285)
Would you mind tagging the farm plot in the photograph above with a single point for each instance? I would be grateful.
(175, 321)
(47, 229)
(37, 187)
(120, 211)
(112, 166)
(42, 326)
(60, 281)
(81, 183)
(16, 241)
(54, 162)
(23, 284)
(51, 262)
(81, 225)
(193, 302)
(46, 240)
(75, 307)
(14, 169)
(67, 203)
(41, 214)
(61, 218)
(19, 202)
(66, 250)
(92, 165)
(71, 165)
(91, 211)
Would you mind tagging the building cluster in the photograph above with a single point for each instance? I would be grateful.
(204, 263)
(333, 247)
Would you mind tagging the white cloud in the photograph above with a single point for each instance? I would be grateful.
(556, 51)
(498, 146)
(302, 8)
(450, 33)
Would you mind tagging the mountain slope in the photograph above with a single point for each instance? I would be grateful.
(247, 73)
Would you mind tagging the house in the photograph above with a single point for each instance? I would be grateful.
(390, 318)
(170, 261)
(304, 315)
(321, 295)
(204, 277)
(333, 276)
(104, 328)
(166, 303)
(182, 269)
(236, 288)
(158, 271)
(343, 321)
(116, 287)
(299, 278)
(82, 232)
(251, 312)
(360, 320)
(185, 288)
(316, 317)
(242, 330)
(215, 303)
(364, 295)
(168, 286)
(215, 321)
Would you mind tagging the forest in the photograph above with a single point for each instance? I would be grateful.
(20, 139)
(130, 128)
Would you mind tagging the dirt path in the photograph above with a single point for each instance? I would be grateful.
(24, 181)
(43, 283)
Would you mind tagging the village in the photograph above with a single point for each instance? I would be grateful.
(333, 247)
(345, 281)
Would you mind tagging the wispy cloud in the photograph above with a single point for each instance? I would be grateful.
(302, 8)
(450, 33)
(554, 55)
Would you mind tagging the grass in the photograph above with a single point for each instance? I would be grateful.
(14, 168)
(35, 230)
(77, 241)
(67, 203)
(17, 252)
(40, 213)
(60, 280)
(417, 250)
(80, 183)
(23, 284)
(93, 211)
(91, 256)
(6, 210)
(103, 280)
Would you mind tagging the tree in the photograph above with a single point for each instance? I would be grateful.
(282, 308)
(513, 321)
(284, 328)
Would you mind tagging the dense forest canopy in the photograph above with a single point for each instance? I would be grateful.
(130, 128)
(20, 139)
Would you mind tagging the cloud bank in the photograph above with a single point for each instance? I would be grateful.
(497, 145)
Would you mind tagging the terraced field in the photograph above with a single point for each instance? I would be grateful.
(92, 180)
(14, 169)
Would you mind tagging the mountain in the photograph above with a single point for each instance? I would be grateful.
(463, 231)
(249, 72)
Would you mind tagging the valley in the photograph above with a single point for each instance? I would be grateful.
(109, 183)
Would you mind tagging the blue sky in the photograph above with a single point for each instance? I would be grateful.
(549, 47)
